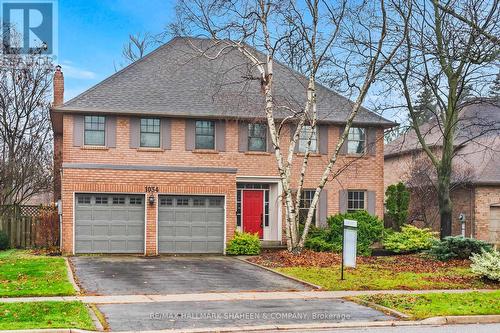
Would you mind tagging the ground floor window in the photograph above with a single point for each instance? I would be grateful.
(355, 201)
(239, 199)
(305, 203)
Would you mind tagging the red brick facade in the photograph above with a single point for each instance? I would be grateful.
(365, 173)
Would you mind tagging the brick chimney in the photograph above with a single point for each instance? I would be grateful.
(58, 87)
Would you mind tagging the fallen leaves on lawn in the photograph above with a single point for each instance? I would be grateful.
(307, 258)
(400, 263)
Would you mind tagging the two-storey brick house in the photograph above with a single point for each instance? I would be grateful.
(172, 155)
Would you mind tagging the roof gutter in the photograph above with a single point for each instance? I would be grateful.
(193, 116)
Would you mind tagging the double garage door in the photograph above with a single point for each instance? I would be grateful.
(114, 223)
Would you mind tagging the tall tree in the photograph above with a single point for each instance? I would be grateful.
(25, 130)
(308, 35)
(425, 106)
(494, 91)
(453, 47)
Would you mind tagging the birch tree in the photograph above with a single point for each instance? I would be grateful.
(451, 47)
(311, 36)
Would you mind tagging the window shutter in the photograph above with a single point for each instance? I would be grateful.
(293, 128)
(343, 149)
(78, 130)
(243, 136)
(323, 208)
(371, 140)
(270, 147)
(134, 132)
(110, 123)
(370, 202)
(323, 139)
(220, 135)
(342, 201)
(165, 133)
(190, 134)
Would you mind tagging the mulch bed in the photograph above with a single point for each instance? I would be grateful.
(307, 258)
(401, 263)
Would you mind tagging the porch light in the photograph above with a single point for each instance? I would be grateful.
(151, 199)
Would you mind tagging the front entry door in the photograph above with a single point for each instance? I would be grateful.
(253, 214)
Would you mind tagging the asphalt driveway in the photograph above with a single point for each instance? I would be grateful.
(128, 275)
(237, 313)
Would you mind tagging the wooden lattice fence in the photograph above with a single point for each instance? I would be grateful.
(30, 226)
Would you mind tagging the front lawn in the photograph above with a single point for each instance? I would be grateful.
(25, 274)
(441, 304)
(410, 272)
(37, 315)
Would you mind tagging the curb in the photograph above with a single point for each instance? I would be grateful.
(481, 319)
(71, 276)
(308, 284)
(379, 307)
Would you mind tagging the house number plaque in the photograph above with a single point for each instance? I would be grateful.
(151, 189)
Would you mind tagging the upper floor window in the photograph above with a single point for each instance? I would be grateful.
(306, 132)
(356, 140)
(257, 137)
(205, 134)
(94, 130)
(305, 203)
(150, 132)
(355, 201)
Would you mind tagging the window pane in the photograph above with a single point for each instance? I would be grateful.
(256, 144)
(257, 137)
(304, 137)
(205, 134)
(204, 142)
(356, 141)
(150, 140)
(94, 138)
(355, 200)
(94, 130)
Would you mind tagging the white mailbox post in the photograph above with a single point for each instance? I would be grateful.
(349, 242)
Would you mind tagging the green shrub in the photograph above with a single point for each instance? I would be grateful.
(457, 247)
(370, 230)
(4, 241)
(319, 244)
(397, 203)
(244, 243)
(486, 264)
(410, 239)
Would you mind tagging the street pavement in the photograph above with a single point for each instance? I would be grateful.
(186, 315)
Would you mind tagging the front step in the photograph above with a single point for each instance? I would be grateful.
(271, 244)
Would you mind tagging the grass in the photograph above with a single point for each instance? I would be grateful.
(24, 274)
(37, 315)
(370, 277)
(441, 304)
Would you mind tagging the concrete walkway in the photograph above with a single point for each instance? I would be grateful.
(130, 299)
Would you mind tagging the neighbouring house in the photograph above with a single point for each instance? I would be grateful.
(172, 155)
(475, 172)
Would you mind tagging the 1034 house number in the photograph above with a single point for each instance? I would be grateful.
(151, 188)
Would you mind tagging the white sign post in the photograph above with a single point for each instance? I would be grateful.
(349, 242)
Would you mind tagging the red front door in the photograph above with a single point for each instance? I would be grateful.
(253, 214)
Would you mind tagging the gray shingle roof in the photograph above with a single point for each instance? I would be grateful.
(175, 80)
(477, 141)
